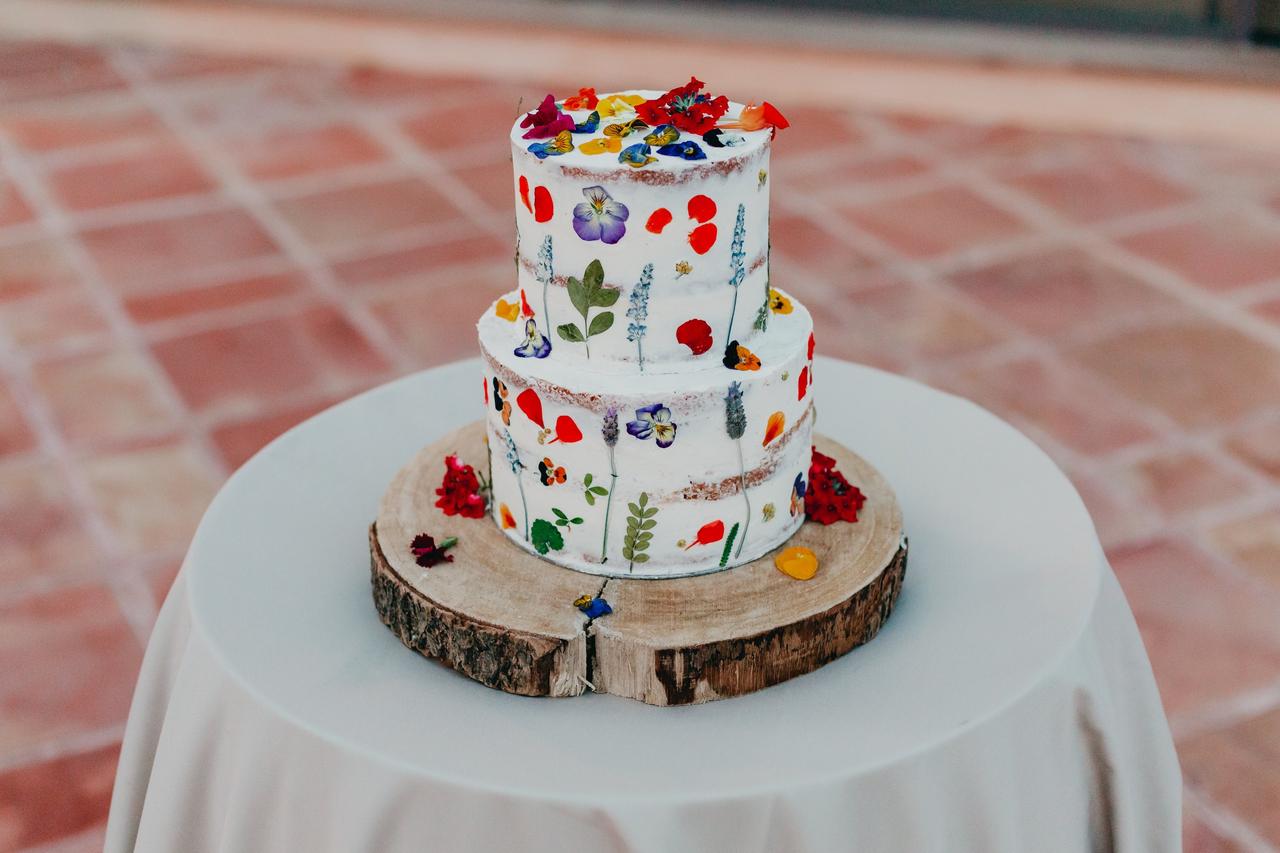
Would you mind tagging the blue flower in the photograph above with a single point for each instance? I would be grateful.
(589, 126)
(535, 343)
(655, 421)
(562, 144)
(689, 150)
(636, 156)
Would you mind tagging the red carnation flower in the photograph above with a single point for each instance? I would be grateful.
(460, 491)
(830, 497)
(427, 553)
(687, 107)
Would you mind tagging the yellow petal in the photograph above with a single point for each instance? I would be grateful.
(593, 146)
(779, 303)
(507, 310)
(798, 563)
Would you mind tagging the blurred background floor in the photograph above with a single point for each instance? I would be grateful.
(198, 251)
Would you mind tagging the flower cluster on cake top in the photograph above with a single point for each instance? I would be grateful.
(680, 124)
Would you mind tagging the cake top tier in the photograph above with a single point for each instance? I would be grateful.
(651, 136)
(642, 230)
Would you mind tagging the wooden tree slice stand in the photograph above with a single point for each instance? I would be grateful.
(506, 618)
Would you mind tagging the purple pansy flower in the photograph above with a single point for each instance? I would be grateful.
(535, 343)
(653, 420)
(546, 121)
(600, 217)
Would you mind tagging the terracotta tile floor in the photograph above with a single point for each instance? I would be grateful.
(196, 253)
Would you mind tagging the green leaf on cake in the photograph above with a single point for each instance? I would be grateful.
(571, 333)
(587, 293)
(545, 537)
(728, 545)
(640, 523)
(600, 324)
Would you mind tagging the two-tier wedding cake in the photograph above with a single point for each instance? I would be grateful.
(649, 394)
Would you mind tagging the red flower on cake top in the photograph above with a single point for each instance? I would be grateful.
(829, 497)
(460, 491)
(687, 107)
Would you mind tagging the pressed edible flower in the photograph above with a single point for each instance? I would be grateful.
(585, 100)
(773, 428)
(758, 117)
(508, 519)
(654, 420)
(687, 107)
(562, 144)
(427, 553)
(616, 105)
(536, 344)
(602, 145)
(779, 303)
(546, 121)
(686, 150)
(508, 311)
(663, 134)
(636, 156)
(600, 217)
(593, 606)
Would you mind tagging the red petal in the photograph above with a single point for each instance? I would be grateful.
(773, 117)
(703, 238)
(531, 405)
(524, 192)
(701, 208)
(711, 532)
(486, 391)
(804, 383)
(658, 220)
(525, 308)
(567, 431)
(695, 334)
(811, 346)
(542, 206)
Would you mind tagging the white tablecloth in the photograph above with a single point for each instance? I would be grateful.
(1008, 705)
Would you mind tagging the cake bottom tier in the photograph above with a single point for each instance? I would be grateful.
(650, 475)
(510, 620)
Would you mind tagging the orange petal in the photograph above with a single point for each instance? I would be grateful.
(773, 429)
(508, 520)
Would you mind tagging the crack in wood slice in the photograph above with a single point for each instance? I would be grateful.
(506, 619)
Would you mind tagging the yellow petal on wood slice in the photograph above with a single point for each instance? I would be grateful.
(798, 563)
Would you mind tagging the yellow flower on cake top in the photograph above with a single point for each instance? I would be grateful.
(616, 105)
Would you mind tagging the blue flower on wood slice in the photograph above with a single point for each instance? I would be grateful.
(688, 150)
(663, 134)
(535, 343)
(600, 217)
(593, 606)
(588, 125)
(636, 156)
(653, 421)
(562, 144)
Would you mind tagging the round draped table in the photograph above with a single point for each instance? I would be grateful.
(1008, 705)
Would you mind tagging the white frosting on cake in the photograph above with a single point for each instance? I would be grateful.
(694, 481)
(729, 177)
(697, 418)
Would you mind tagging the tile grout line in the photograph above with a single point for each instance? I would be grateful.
(258, 206)
(130, 591)
(1226, 823)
